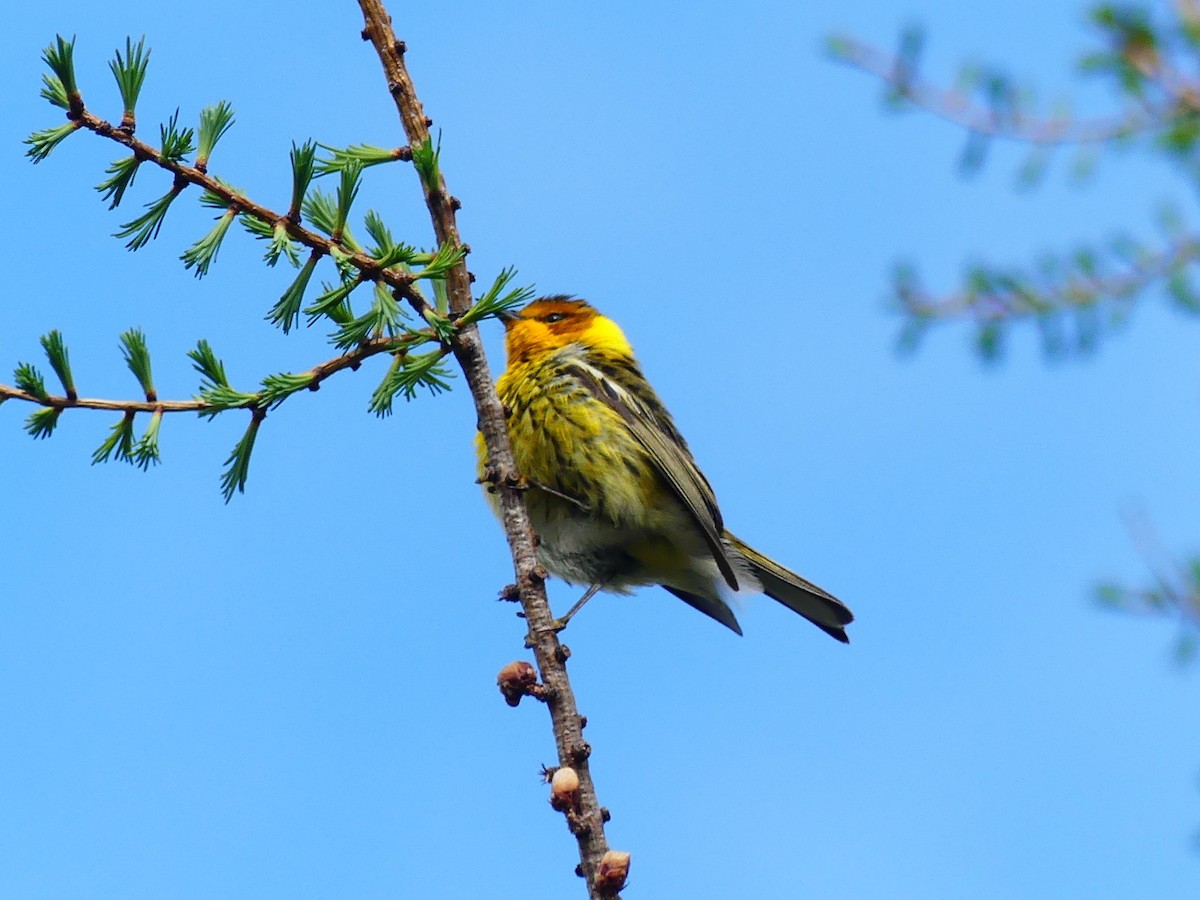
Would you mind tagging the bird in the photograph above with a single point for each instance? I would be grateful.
(612, 490)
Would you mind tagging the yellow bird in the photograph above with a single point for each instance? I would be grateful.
(614, 495)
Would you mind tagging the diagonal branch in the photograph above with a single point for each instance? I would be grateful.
(587, 820)
(185, 174)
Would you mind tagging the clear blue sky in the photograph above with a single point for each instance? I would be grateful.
(293, 696)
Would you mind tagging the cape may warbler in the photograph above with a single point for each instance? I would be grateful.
(613, 492)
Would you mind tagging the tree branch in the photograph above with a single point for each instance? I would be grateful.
(587, 819)
(192, 175)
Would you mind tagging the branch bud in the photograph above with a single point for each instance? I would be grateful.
(515, 681)
(564, 789)
(612, 871)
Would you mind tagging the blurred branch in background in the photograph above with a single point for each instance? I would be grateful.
(1174, 593)
(1149, 59)
(1153, 70)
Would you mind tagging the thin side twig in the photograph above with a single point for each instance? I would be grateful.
(317, 374)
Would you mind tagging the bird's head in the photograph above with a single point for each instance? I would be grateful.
(551, 323)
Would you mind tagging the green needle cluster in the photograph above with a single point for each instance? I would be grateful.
(313, 231)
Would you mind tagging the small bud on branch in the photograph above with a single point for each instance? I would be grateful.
(564, 789)
(613, 871)
(516, 681)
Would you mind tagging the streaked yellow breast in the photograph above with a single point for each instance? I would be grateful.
(566, 440)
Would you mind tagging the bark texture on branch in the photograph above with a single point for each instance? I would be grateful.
(586, 820)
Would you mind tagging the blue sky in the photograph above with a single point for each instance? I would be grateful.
(293, 695)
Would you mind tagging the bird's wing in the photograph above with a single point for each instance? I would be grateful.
(620, 386)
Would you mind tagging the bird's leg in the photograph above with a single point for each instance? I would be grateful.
(561, 623)
(559, 494)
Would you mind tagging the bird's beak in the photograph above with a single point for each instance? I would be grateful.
(507, 317)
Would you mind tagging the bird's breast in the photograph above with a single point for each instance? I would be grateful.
(567, 441)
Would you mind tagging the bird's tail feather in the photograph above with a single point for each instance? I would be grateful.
(714, 607)
(819, 606)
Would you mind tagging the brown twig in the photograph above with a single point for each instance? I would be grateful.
(468, 350)
(317, 374)
(184, 173)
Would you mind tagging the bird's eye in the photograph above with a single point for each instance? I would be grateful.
(554, 317)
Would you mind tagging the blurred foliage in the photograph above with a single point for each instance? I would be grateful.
(1175, 595)
(1148, 58)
